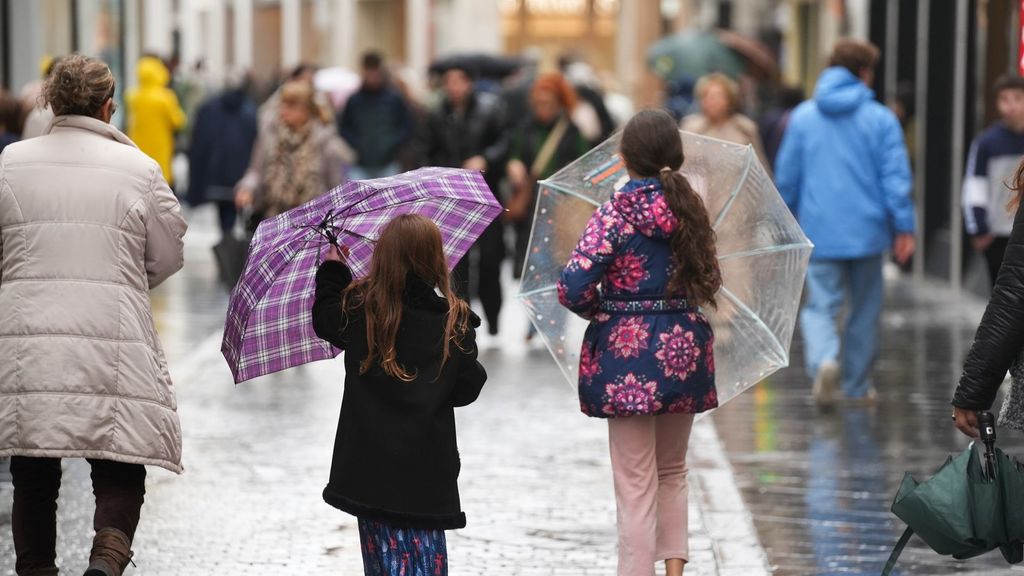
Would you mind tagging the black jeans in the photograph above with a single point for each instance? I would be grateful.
(490, 250)
(119, 489)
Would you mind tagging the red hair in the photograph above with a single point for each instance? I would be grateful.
(556, 84)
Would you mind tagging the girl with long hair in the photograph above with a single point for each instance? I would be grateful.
(410, 359)
(641, 272)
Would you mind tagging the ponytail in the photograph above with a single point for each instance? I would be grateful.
(696, 274)
(651, 147)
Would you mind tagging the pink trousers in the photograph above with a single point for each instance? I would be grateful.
(649, 467)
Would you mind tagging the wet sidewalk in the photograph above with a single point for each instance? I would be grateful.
(819, 484)
(536, 483)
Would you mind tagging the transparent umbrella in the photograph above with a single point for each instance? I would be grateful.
(762, 251)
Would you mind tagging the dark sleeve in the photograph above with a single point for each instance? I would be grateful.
(406, 124)
(471, 376)
(430, 138)
(1000, 335)
(496, 139)
(347, 124)
(329, 320)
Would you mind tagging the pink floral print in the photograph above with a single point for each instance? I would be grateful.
(677, 353)
(590, 364)
(627, 271)
(629, 337)
(631, 395)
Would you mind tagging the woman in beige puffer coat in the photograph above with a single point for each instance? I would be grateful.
(87, 226)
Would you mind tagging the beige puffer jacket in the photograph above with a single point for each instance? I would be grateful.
(87, 226)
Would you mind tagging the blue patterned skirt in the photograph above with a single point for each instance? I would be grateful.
(391, 551)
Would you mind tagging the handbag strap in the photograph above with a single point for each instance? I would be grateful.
(897, 550)
(547, 150)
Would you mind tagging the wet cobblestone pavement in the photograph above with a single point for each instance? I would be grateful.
(536, 484)
(820, 483)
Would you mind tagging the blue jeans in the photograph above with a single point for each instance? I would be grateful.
(829, 282)
(370, 172)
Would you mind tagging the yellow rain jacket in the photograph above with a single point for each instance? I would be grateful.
(154, 114)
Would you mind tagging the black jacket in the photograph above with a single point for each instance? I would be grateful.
(1000, 335)
(395, 456)
(377, 124)
(450, 138)
(222, 139)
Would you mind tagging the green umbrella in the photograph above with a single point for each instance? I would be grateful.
(693, 53)
(962, 511)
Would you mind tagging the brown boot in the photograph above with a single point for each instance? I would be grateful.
(111, 553)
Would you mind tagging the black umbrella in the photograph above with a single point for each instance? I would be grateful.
(478, 65)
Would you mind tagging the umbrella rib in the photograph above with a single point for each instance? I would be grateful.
(735, 191)
(533, 292)
(763, 250)
(779, 350)
(549, 183)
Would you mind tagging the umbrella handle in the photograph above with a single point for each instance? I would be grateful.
(897, 550)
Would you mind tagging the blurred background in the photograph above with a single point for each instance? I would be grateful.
(939, 61)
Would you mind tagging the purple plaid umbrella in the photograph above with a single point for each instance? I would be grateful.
(268, 327)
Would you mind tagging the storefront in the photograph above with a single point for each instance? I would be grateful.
(35, 32)
(582, 27)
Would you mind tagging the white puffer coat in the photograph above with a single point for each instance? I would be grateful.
(87, 226)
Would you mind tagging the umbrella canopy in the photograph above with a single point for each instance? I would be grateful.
(693, 54)
(337, 83)
(762, 251)
(480, 65)
(268, 326)
(962, 512)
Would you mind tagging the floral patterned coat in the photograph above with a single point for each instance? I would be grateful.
(645, 352)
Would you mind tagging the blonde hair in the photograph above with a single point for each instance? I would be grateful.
(729, 86)
(301, 93)
(79, 85)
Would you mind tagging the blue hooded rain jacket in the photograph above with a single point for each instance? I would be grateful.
(843, 171)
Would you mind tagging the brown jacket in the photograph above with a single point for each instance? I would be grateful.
(87, 226)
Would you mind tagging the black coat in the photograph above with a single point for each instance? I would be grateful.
(395, 456)
(1000, 336)
(450, 138)
(223, 134)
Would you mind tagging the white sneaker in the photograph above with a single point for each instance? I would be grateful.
(826, 381)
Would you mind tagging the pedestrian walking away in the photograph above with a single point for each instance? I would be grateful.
(644, 266)
(223, 135)
(88, 226)
(410, 359)
(154, 114)
(843, 171)
(990, 165)
(376, 122)
(465, 131)
(999, 342)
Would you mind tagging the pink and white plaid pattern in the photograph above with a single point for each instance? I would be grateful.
(268, 326)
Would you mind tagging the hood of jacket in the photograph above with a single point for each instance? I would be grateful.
(839, 92)
(152, 73)
(642, 203)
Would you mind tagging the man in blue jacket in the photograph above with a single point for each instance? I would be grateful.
(842, 168)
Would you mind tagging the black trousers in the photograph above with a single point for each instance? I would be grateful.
(994, 256)
(486, 285)
(119, 490)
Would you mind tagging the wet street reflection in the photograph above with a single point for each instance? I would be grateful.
(820, 483)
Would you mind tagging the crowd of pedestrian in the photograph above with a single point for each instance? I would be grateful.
(110, 228)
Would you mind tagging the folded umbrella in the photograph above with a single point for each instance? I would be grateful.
(268, 327)
(969, 507)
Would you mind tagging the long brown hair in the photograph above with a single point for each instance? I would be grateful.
(650, 144)
(1016, 185)
(409, 244)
